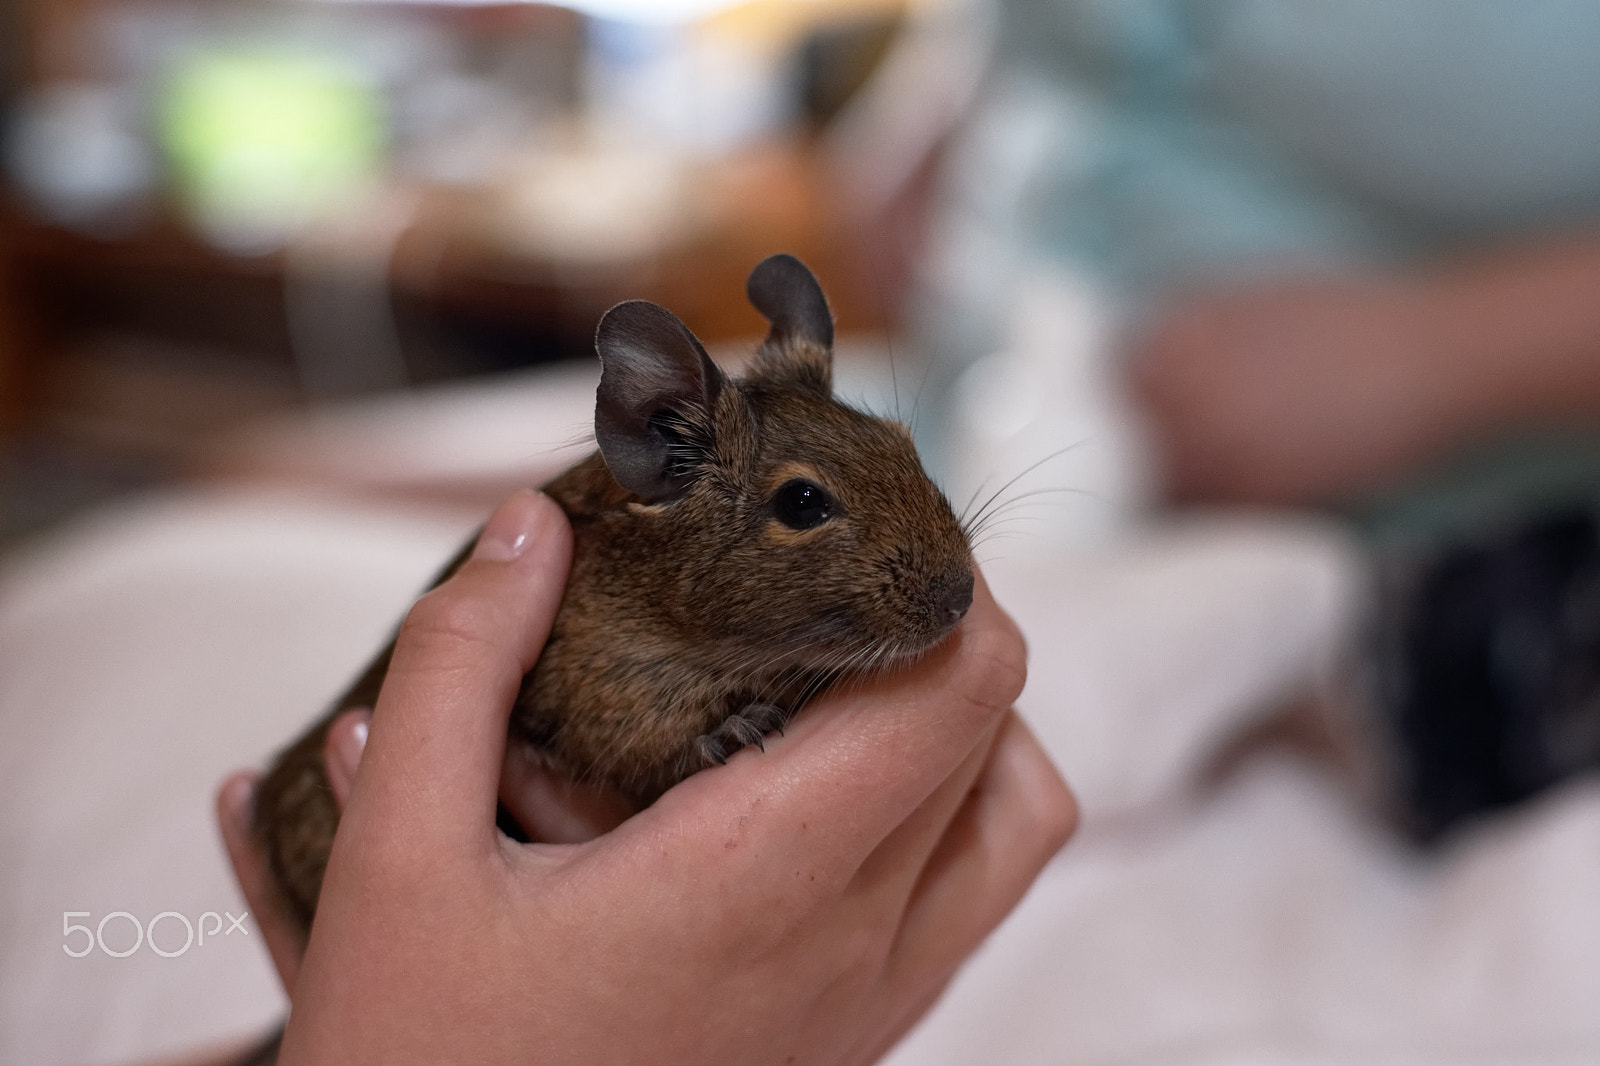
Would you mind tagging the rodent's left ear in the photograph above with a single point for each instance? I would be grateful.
(657, 391)
(800, 344)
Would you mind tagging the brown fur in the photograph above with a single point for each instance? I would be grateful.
(691, 626)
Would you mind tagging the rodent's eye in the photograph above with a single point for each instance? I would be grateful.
(802, 504)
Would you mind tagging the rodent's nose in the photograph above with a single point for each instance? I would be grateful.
(954, 596)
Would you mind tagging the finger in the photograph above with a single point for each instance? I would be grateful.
(898, 1024)
(549, 807)
(856, 764)
(891, 872)
(341, 752)
(1020, 815)
(235, 808)
(431, 769)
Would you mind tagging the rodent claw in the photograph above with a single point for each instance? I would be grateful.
(711, 751)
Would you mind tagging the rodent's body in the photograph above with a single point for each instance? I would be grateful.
(707, 599)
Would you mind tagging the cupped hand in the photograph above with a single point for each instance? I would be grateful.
(803, 904)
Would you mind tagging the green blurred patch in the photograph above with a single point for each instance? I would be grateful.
(262, 140)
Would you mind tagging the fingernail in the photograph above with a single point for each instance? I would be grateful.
(514, 526)
(239, 799)
(348, 745)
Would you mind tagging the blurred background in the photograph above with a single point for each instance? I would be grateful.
(213, 212)
(1258, 339)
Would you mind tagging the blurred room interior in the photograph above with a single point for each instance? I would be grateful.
(214, 213)
(293, 291)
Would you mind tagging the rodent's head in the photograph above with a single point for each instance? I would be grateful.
(788, 526)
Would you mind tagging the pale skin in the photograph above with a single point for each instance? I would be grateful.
(802, 904)
(1320, 388)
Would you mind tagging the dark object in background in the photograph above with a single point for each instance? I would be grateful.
(1494, 678)
(837, 60)
(10, 54)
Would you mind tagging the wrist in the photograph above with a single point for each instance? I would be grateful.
(1517, 335)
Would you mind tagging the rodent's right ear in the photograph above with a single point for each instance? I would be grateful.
(658, 387)
(799, 347)
(785, 291)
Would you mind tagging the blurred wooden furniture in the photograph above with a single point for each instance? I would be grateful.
(218, 328)
(165, 280)
(11, 335)
(457, 286)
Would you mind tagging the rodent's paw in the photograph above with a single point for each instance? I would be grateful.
(740, 730)
(766, 717)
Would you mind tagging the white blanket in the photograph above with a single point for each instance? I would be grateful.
(1262, 919)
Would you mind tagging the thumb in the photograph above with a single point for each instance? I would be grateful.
(431, 769)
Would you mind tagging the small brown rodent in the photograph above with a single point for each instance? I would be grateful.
(738, 544)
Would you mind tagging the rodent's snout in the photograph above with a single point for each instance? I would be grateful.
(953, 595)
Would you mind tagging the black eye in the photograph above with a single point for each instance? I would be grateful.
(801, 504)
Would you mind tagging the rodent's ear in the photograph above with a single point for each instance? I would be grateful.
(800, 343)
(658, 387)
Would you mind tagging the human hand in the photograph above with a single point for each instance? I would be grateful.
(546, 807)
(802, 904)
(1304, 391)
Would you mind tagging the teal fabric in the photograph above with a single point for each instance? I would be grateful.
(1216, 135)
(1144, 145)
